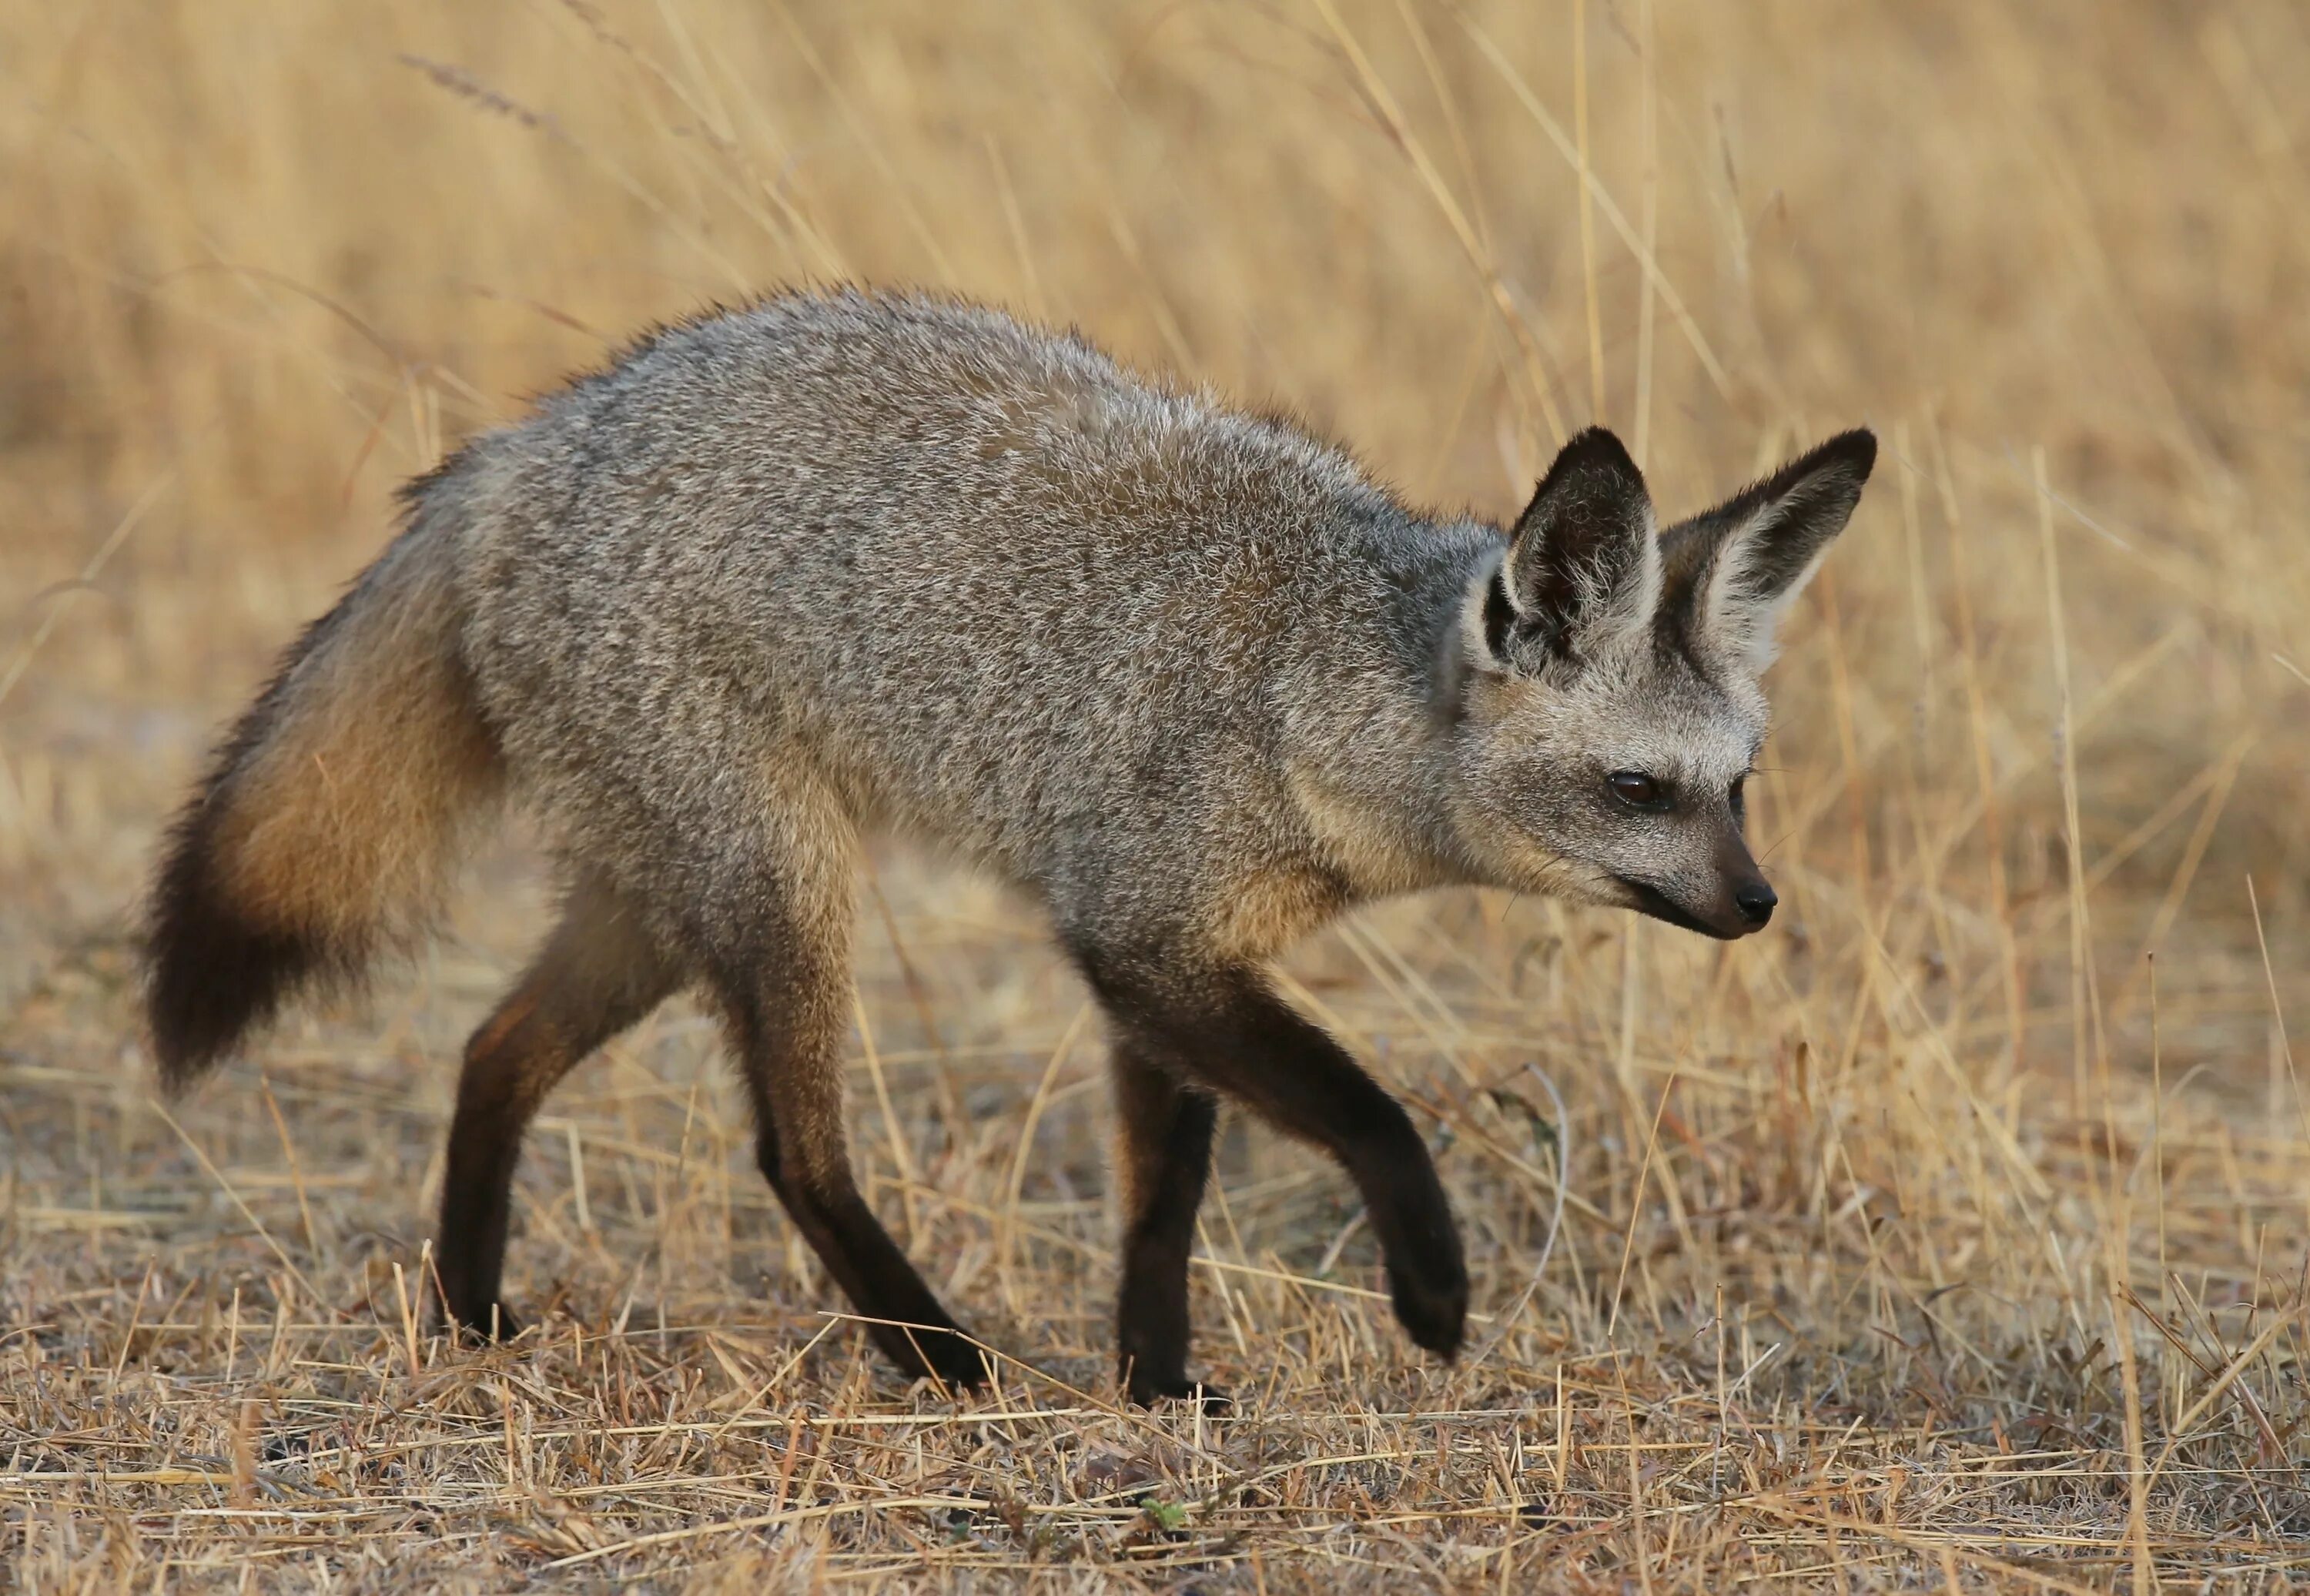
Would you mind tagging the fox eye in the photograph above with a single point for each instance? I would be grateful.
(1740, 804)
(1636, 789)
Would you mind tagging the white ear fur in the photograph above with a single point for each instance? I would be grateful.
(1624, 614)
(1583, 570)
(1741, 611)
(1766, 541)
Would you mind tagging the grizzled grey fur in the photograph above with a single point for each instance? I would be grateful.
(1189, 679)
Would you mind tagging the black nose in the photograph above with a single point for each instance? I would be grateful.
(1754, 901)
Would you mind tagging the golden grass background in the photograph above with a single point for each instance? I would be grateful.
(1924, 1243)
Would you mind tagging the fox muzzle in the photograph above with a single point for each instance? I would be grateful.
(1737, 901)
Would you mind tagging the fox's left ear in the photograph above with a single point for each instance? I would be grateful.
(1729, 573)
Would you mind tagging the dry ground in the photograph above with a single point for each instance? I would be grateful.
(1936, 1241)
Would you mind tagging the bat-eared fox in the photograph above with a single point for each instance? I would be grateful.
(843, 564)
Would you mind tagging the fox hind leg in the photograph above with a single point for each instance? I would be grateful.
(1164, 1129)
(599, 973)
(781, 971)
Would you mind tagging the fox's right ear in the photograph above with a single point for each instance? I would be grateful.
(1582, 570)
(1732, 570)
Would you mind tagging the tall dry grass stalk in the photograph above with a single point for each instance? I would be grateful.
(1943, 1238)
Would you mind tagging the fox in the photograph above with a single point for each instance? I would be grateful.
(845, 564)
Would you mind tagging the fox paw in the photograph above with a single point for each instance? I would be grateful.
(491, 1324)
(1432, 1305)
(948, 1356)
(1215, 1402)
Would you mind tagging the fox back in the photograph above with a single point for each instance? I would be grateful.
(977, 583)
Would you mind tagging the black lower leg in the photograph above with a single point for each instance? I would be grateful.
(1224, 1029)
(594, 977)
(1165, 1160)
(903, 1316)
(477, 1199)
(787, 1059)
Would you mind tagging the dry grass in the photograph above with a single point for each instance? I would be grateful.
(1923, 1243)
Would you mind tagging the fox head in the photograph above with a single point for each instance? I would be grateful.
(1606, 706)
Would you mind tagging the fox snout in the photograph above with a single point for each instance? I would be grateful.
(1734, 900)
(1742, 900)
(1738, 900)
(1727, 914)
(1754, 901)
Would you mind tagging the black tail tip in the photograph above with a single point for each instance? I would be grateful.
(210, 973)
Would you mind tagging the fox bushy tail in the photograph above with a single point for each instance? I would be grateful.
(331, 816)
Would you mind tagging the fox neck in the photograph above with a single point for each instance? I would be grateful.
(1372, 766)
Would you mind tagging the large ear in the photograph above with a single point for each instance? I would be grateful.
(1583, 566)
(1729, 574)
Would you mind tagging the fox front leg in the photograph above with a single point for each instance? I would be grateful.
(1223, 1029)
(1163, 1158)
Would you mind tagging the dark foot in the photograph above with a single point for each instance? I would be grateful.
(492, 1322)
(1432, 1303)
(948, 1356)
(1215, 1402)
(1426, 1271)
